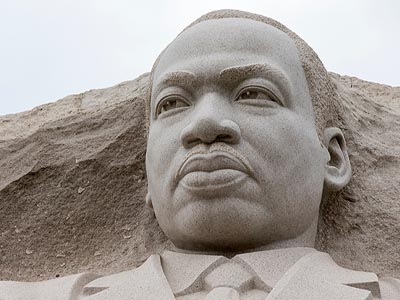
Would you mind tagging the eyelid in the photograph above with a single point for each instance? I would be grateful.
(261, 84)
(168, 94)
(263, 90)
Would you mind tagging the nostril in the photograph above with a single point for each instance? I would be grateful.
(190, 141)
(230, 131)
(224, 138)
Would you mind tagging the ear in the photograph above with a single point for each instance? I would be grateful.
(149, 203)
(338, 168)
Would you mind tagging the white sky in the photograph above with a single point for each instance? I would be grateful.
(52, 48)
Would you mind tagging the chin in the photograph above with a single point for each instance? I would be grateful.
(221, 225)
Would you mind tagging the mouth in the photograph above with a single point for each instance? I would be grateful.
(218, 168)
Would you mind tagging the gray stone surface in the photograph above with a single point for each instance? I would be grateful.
(231, 165)
(229, 122)
(303, 273)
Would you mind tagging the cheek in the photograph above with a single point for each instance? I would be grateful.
(158, 158)
(303, 172)
(161, 148)
(162, 158)
(292, 162)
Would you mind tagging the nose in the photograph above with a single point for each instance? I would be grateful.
(208, 130)
(212, 121)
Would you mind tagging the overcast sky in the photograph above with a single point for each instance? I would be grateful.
(53, 48)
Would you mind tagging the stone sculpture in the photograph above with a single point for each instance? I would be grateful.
(243, 145)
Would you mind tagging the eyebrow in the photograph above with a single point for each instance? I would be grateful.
(177, 78)
(230, 76)
(236, 74)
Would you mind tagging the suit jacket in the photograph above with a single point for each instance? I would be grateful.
(315, 276)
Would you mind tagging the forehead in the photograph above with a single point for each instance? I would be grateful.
(227, 37)
(209, 47)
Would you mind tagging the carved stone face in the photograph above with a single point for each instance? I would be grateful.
(233, 157)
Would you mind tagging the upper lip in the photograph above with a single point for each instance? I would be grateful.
(217, 158)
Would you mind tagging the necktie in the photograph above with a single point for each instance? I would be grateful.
(230, 281)
(223, 293)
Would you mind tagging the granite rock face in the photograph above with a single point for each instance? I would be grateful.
(73, 183)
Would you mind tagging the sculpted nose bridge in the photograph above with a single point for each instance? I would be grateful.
(211, 122)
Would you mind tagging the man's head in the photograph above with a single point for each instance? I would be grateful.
(234, 157)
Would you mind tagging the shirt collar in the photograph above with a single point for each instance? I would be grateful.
(182, 270)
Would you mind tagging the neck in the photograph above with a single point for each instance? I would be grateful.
(306, 239)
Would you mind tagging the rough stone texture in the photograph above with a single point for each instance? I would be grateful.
(361, 228)
(72, 185)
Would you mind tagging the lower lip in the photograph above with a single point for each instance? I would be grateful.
(212, 181)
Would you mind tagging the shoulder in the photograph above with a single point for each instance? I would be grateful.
(64, 288)
(390, 288)
(385, 288)
(84, 285)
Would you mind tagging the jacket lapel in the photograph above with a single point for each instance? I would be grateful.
(314, 277)
(146, 282)
(317, 277)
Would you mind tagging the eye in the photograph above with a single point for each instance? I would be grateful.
(256, 93)
(170, 103)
